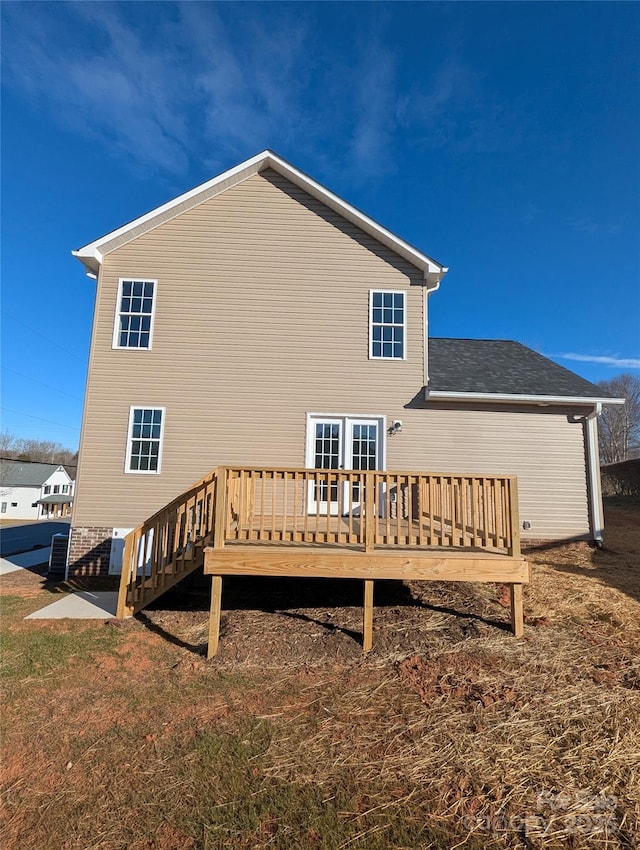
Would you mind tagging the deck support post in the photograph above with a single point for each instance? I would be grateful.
(219, 532)
(214, 615)
(367, 629)
(124, 608)
(517, 610)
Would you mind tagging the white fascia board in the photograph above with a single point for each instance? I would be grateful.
(509, 398)
(91, 257)
(426, 264)
(91, 250)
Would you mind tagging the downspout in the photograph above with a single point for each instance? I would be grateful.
(425, 309)
(593, 460)
(435, 279)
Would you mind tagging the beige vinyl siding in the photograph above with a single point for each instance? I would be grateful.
(261, 318)
(261, 315)
(544, 447)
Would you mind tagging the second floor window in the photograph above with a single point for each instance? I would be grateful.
(387, 325)
(47, 489)
(134, 317)
(56, 488)
(65, 488)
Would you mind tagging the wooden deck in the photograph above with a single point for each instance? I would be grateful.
(369, 525)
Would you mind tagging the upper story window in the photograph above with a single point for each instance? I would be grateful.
(56, 488)
(387, 325)
(65, 488)
(144, 442)
(47, 489)
(134, 317)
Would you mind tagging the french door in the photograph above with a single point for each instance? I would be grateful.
(342, 442)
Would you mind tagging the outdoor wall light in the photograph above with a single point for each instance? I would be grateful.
(396, 427)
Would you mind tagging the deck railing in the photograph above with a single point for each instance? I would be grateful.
(340, 508)
(168, 546)
(368, 509)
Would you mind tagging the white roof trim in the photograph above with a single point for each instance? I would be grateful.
(91, 256)
(513, 398)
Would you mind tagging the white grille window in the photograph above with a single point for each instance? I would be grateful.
(134, 317)
(387, 325)
(144, 444)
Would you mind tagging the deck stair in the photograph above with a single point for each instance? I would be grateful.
(167, 547)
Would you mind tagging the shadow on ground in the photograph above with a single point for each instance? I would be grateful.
(617, 564)
(332, 607)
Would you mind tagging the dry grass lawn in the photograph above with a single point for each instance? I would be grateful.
(451, 733)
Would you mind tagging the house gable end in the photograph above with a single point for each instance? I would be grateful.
(262, 226)
(92, 255)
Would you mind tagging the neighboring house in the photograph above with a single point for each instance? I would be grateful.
(30, 490)
(259, 319)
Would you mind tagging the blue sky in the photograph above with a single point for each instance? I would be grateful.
(502, 139)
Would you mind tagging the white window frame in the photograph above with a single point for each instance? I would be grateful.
(46, 490)
(346, 420)
(127, 462)
(116, 324)
(402, 292)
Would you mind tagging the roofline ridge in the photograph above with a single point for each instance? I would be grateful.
(91, 256)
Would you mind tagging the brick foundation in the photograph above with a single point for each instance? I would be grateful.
(89, 551)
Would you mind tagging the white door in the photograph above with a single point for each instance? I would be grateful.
(117, 552)
(342, 442)
(327, 447)
(363, 452)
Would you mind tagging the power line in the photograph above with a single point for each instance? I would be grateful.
(30, 416)
(37, 381)
(42, 336)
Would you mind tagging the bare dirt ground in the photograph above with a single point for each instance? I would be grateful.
(450, 733)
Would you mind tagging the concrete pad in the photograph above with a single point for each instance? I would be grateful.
(80, 606)
(24, 560)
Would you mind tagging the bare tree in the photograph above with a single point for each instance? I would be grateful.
(44, 451)
(7, 444)
(619, 426)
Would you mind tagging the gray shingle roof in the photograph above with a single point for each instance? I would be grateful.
(501, 366)
(56, 500)
(18, 473)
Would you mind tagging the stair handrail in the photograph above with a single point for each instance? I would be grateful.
(130, 554)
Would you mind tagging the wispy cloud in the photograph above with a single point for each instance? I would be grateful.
(109, 88)
(374, 123)
(169, 86)
(458, 109)
(604, 360)
(590, 226)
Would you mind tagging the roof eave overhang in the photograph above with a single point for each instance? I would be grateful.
(91, 255)
(513, 398)
(91, 259)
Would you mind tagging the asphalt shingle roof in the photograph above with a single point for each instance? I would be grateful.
(17, 473)
(56, 500)
(501, 366)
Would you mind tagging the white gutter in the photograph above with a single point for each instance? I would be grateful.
(593, 463)
(513, 398)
